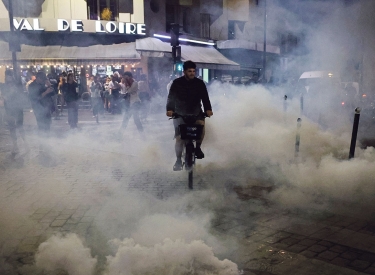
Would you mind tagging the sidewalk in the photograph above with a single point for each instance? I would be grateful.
(79, 193)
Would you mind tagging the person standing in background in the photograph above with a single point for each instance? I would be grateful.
(115, 89)
(60, 95)
(12, 95)
(53, 81)
(69, 90)
(107, 94)
(134, 102)
(144, 96)
(95, 90)
(40, 92)
(32, 78)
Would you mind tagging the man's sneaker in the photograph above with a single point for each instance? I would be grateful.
(178, 165)
(198, 153)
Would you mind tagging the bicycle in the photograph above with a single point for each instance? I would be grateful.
(190, 132)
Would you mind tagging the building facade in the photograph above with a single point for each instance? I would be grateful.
(236, 27)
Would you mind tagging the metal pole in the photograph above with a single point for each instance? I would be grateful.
(354, 132)
(285, 103)
(301, 104)
(14, 45)
(285, 107)
(12, 41)
(296, 147)
(265, 42)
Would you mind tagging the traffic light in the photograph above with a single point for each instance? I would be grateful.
(176, 53)
(175, 34)
(178, 68)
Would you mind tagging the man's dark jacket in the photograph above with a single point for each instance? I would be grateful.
(39, 103)
(185, 96)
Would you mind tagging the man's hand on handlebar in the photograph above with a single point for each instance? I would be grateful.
(209, 113)
(170, 113)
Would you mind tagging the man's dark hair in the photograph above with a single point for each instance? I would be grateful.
(189, 65)
(128, 74)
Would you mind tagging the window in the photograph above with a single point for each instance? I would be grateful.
(96, 7)
(186, 19)
(231, 30)
(154, 6)
(171, 12)
(205, 25)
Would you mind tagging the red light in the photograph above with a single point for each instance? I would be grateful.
(342, 103)
(363, 95)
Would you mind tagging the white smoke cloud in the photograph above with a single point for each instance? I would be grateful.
(66, 253)
(169, 257)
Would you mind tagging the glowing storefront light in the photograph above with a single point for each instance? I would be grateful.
(186, 40)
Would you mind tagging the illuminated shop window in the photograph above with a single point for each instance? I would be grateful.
(95, 9)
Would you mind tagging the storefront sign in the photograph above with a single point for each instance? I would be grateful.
(26, 24)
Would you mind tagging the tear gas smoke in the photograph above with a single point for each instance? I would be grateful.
(249, 140)
(169, 257)
(66, 253)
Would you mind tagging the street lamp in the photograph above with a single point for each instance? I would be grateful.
(14, 45)
(265, 42)
(176, 48)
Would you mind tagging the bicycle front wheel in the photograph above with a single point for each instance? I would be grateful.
(189, 163)
(189, 155)
(191, 179)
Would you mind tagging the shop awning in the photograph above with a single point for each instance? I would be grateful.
(53, 55)
(248, 45)
(153, 47)
(204, 57)
(246, 53)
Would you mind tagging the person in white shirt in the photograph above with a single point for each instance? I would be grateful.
(95, 89)
(123, 86)
(115, 89)
(134, 102)
(107, 94)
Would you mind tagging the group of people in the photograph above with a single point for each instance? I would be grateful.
(120, 95)
(43, 93)
(186, 95)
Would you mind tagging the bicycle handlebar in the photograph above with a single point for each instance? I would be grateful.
(176, 115)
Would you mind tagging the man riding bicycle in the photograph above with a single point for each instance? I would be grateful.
(185, 97)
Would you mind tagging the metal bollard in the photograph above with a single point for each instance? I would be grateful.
(285, 103)
(296, 147)
(285, 108)
(354, 132)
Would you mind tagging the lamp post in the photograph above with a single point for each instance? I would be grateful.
(176, 48)
(14, 45)
(264, 42)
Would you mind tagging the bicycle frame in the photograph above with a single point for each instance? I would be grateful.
(190, 132)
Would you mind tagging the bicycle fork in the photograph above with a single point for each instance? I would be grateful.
(189, 155)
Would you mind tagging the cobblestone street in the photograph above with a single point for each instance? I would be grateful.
(100, 185)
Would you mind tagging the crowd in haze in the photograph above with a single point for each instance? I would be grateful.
(54, 96)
